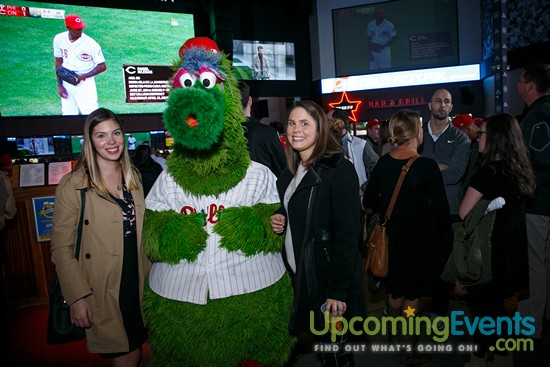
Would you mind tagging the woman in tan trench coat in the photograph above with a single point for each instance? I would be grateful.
(105, 286)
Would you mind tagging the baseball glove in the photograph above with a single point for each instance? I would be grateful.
(67, 75)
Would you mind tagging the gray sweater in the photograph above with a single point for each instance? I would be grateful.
(452, 148)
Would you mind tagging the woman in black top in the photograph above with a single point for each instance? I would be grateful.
(419, 228)
(505, 171)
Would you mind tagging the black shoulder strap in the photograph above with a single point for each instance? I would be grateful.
(79, 230)
(404, 171)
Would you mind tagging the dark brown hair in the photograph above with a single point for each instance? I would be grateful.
(325, 145)
(505, 142)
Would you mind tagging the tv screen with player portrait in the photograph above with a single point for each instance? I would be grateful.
(135, 139)
(35, 146)
(394, 36)
(138, 46)
(258, 60)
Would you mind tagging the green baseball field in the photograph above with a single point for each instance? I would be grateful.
(27, 75)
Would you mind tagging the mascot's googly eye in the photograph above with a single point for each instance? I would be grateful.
(187, 80)
(208, 79)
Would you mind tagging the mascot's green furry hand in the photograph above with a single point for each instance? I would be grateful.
(248, 229)
(170, 237)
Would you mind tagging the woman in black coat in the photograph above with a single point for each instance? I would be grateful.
(320, 213)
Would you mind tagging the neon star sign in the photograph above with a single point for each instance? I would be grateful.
(349, 106)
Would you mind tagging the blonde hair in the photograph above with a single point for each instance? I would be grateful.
(88, 155)
(404, 126)
(337, 127)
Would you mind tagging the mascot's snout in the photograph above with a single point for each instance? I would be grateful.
(191, 120)
(195, 116)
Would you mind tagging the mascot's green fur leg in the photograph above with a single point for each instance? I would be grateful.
(224, 332)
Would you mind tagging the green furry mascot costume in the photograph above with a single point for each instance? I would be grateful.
(218, 294)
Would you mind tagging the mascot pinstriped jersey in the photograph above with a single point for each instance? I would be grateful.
(218, 294)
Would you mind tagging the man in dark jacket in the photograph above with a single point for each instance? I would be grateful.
(450, 148)
(263, 142)
(534, 88)
(467, 124)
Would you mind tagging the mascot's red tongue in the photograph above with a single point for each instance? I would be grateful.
(191, 120)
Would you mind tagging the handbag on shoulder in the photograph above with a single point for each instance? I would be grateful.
(377, 261)
(60, 329)
(377, 252)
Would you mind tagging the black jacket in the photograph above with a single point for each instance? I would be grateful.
(534, 126)
(264, 146)
(328, 263)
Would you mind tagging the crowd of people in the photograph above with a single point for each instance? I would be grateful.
(332, 187)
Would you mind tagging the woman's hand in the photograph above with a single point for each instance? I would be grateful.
(336, 308)
(81, 314)
(277, 223)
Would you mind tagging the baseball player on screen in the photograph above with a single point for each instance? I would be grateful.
(77, 54)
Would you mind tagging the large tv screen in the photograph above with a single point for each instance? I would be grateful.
(138, 46)
(257, 60)
(394, 36)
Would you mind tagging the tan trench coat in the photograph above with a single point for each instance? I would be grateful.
(97, 274)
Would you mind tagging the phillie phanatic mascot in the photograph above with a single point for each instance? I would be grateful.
(218, 293)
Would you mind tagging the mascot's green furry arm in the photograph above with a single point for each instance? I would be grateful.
(218, 293)
(171, 237)
(248, 229)
(183, 237)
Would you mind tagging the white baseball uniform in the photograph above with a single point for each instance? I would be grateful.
(81, 56)
(217, 273)
(132, 143)
(381, 35)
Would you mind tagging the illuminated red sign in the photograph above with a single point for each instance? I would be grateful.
(396, 102)
(349, 106)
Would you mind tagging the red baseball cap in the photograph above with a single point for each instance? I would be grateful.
(199, 42)
(74, 21)
(479, 121)
(462, 120)
(372, 123)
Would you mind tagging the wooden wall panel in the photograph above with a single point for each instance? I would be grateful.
(27, 268)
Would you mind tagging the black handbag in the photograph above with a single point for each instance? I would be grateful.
(60, 329)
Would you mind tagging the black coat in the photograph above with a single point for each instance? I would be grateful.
(328, 263)
(264, 146)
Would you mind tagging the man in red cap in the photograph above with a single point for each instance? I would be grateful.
(76, 51)
(373, 134)
(468, 125)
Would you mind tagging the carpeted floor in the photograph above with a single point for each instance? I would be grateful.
(28, 347)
